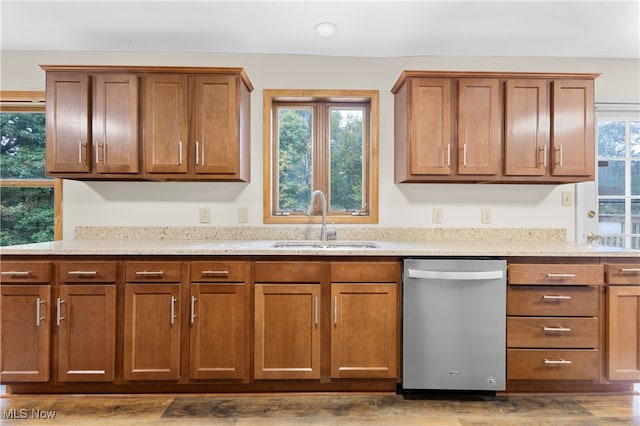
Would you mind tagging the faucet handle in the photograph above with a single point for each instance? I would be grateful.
(332, 233)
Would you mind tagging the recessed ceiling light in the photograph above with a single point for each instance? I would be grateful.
(326, 29)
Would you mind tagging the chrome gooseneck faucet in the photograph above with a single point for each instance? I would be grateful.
(323, 231)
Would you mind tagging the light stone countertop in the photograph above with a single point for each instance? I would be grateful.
(266, 248)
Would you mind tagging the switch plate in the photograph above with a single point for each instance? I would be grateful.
(243, 215)
(485, 215)
(205, 215)
(436, 216)
(567, 199)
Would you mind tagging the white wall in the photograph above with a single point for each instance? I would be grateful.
(177, 204)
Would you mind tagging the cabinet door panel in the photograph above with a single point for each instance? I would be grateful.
(87, 333)
(526, 127)
(215, 125)
(623, 334)
(478, 126)
(430, 150)
(115, 123)
(166, 129)
(67, 124)
(364, 331)
(152, 332)
(218, 331)
(287, 331)
(572, 128)
(25, 330)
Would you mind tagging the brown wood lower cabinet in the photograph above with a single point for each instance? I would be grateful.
(623, 333)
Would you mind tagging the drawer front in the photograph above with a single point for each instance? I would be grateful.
(89, 272)
(153, 272)
(25, 272)
(543, 364)
(290, 272)
(623, 274)
(218, 271)
(550, 274)
(552, 332)
(364, 272)
(552, 301)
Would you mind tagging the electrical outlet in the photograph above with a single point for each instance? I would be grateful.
(485, 215)
(567, 199)
(243, 215)
(436, 216)
(205, 215)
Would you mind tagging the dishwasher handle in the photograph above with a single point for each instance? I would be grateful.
(456, 275)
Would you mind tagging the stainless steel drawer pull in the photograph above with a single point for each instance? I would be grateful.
(38, 317)
(316, 311)
(59, 316)
(550, 275)
(211, 272)
(193, 309)
(558, 361)
(552, 297)
(16, 273)
(83, 272)
(148, 273)
(173, 309)
(335, 310)
(629, 270)
(556, 329)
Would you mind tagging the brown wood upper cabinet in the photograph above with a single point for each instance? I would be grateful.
(155, 123)
(494, 127)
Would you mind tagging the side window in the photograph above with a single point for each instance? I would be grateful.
(618, 180)
(30, 200)
(321, 140)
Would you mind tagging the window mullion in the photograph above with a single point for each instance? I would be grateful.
(320, 151)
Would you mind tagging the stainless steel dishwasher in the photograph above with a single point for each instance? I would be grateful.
(454, 324)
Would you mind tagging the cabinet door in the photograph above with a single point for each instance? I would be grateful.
(24, 329)
(430, 140)
(572, 128)
(623, 333)
(216, 125)
(67, 126)
(526, 128)
(115, 123)
(287, 331)
(152, 332)
(86, 320)
(364, 331)
(479, 125)
(218, 331)
(166, 125)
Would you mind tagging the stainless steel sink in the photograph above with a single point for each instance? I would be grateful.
(344, 245)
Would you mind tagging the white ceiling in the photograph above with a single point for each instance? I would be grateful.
(587, 29)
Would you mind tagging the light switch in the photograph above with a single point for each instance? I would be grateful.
(243, 215)
(436, 216)
(567, 200)
(205, 215)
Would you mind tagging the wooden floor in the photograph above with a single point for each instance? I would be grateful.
(321, 409)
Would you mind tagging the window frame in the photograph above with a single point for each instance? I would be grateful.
(274, 98)
(33, 101)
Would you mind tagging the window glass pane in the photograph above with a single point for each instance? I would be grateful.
(346, 135)
(635, 177)
(22, 147)
(611, 138)
(611, 177)
(635, 223)
(634, 138)
(27, 215)
(611, 216)
(295, 132)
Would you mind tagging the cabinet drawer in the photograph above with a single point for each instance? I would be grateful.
(543, 364)
(579, 301)
(25, 272)
(565, 274)
(552, 332)
(80, 272)
(218, 271)
(364, 272)
(155, 272)
(290, 272)
(623, 274)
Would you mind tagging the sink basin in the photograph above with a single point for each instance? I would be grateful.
(345, 245)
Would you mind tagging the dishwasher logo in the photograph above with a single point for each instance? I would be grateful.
(491, 380)
(455, 373)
